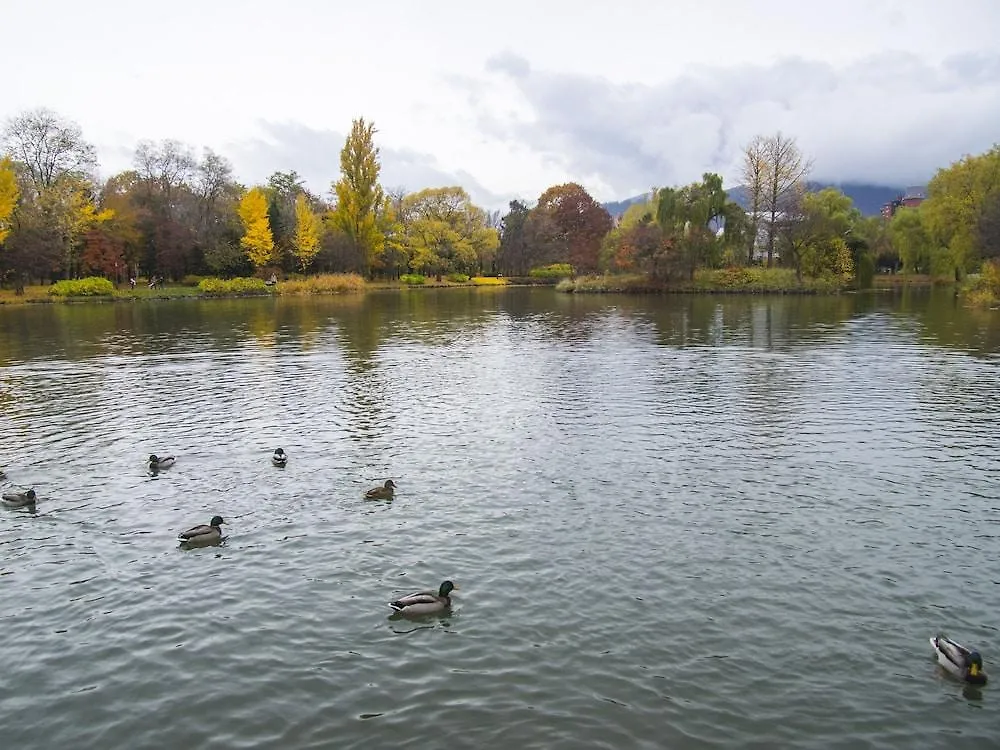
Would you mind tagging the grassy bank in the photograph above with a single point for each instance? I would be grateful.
(708, 281)
(894, 280)
(80, 290)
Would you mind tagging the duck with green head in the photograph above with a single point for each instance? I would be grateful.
(425, 602)
(204, 534)
(279, 458)
(24, 499)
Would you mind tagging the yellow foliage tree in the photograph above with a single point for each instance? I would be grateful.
(958, 196)
(68, 209)
(257, 241)
(360, 198)
(8, 196)
(307, 229)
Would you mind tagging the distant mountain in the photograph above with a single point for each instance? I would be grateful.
(868, 198)
(617, 208)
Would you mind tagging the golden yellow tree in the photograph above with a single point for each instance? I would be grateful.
(8, 196)
(360, 198)
(257, 241)
(307, 228)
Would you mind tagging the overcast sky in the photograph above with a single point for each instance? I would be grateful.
(508, 98)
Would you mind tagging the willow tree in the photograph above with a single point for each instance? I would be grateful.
(958, 197)
(687, 217)
(360, 198)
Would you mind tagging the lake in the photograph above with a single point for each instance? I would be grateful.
(681, 521)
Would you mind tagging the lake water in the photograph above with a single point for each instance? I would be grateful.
(684, 522)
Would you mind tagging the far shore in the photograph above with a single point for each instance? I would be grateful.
(597, 284)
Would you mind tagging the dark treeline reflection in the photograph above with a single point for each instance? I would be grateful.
(361, 324)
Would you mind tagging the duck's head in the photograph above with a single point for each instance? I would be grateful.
(279, 451)
(446, 588)
(389, 484)
(153, 459)
(216, 521)
(975, 664)
(30, 494)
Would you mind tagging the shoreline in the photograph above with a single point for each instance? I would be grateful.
(36, 296)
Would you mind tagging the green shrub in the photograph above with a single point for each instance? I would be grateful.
(92, 286)
(488, 281)
(240, 285)
(457, 278)
(191, 280)
(554, 271)
(983, 289)
(412, 279)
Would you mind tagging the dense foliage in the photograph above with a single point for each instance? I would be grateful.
(176, 215)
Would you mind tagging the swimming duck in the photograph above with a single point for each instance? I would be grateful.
(425, 602)
(385, 492)
(280, 458)
(19, 499)
(156, 463)
(203, 534)
(963, 663)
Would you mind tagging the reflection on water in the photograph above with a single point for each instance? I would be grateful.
(678, 522)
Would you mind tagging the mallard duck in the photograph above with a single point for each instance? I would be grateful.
(280, 458)
(963, 663)
(19, 499)
(156, 463)
(385, 492)
(425, 602)
(203, 534)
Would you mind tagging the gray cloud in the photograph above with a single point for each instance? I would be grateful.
(888, 119)
(315, 155)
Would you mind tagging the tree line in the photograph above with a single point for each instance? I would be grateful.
(175, 214)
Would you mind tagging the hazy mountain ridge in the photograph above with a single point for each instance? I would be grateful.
(868, 198)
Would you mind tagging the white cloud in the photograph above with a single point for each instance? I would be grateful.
(510, 98)
(887, 119)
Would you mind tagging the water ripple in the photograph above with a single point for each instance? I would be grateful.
(674, 523)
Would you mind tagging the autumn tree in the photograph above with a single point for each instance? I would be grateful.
(360, 198)
(815, 230)
(48, 146)
(957, 198)
(9, 193)
(445, 233)
(305, 244)
(581, 223)
(168, 207)
(217, 228)
(513, 254)
(784, 172)
(754, 173)
(257, 240)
